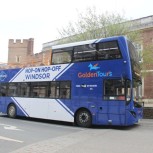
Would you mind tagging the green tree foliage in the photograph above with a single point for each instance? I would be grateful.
(91, 25)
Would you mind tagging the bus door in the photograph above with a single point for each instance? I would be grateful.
(113, 104)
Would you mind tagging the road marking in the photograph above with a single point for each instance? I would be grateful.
(9, 139)
(10, 127)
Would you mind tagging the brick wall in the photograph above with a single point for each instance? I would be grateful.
(147, 37)
(148, 86)
(42, 58)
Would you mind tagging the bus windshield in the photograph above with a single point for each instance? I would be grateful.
(134, 61)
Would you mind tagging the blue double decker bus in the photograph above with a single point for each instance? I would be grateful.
(89, 82)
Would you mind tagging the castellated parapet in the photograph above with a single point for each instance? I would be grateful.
(20, 42)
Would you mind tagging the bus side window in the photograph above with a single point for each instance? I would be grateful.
(3, 90)
(84, 53)
(24, 89)
(39, 89)
(60, 89)
(13, 89)
(62, 55)
(52, 90)
(65, 89)
(108, 50)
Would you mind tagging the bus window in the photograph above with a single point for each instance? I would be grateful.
(136, 71)
(60, 89)
(13, 89)
(24, 89)
(53, 90)
(34, 89)
(84, 53)
(62, 55)
(39, 89)
(65, 90)
(61, 58)
(133, 53)
(114, 90)
(108, 50)
(3, 89)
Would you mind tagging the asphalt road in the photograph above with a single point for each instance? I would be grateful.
(17, 133)
(41, 136)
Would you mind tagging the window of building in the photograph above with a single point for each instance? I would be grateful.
(17, 59)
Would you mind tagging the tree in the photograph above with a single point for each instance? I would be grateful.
(92, 25)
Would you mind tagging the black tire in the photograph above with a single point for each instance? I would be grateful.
(83, 118)
(11, 111)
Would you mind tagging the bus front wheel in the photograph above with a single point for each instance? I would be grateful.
(11, 111)
(83, 118)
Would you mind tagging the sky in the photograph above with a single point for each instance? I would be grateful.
(41, 19)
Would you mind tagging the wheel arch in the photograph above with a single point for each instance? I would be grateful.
(11, 103)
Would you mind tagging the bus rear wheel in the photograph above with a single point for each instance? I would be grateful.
(83, 118)
(11, 111)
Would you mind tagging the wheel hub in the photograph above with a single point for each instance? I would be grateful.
(83, 117)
